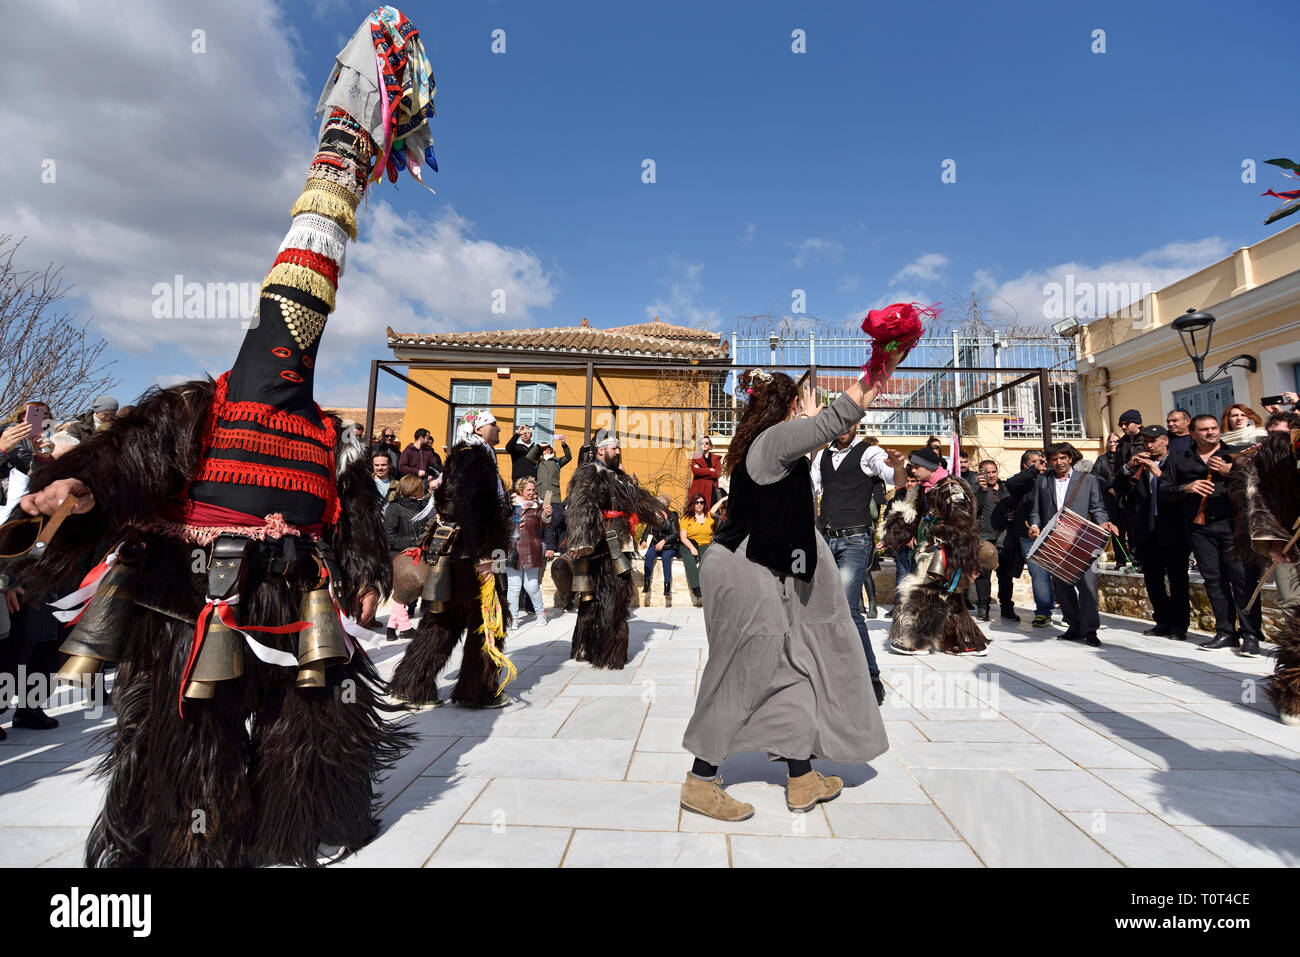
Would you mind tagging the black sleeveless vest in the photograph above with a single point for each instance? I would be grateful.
(778, 518)
(846, 491)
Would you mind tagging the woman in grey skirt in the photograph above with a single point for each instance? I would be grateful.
(786, 672)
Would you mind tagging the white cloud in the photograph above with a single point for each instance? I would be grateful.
(1123, 279)
(683, 306)
(848, 283)
(182, 163)
(926, 268)
(813, 248)
(750, 232)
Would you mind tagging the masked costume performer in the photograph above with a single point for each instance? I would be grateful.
(463, 598)
(1265, 489)
(244, 541)
(938, 515)
(602, 500)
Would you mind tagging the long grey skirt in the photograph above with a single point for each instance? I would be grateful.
(786, 671)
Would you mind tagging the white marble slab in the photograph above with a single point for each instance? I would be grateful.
(819, 852)
(487, 845)
(500, 757)
(646, 849)
(579, 804)
(1007, 824)
(1143, 840)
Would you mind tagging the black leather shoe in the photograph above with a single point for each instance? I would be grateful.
(878, 687)
(1179, 636)
(390, 634)
(3, 734)
(1092, 641)
(983, 611)
(1249, 647)
(1219, 642)
(1009, 614)
(34, 719)
(1069, 636)
(1159, 631)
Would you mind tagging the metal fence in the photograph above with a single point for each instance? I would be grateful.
(893, 412)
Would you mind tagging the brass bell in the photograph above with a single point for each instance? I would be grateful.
(622, 564)
(437, 585)
(938, 568)
(97, 636)
(221, 658)
(322, 645)
(582, 586)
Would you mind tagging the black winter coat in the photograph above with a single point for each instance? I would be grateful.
(400, 525)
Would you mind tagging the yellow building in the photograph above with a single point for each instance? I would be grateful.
(1134, 359)
(653, 383)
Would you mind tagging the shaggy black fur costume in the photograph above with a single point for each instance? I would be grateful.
(471, 497)
(926, 615)
(262, 773)
(1265, 490)
(600, 634)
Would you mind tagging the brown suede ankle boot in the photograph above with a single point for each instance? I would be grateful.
(707, 797)
(804, 792)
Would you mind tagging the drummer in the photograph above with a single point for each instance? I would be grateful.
(1062, 486)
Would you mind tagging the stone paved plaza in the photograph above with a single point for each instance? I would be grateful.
(1141, 753)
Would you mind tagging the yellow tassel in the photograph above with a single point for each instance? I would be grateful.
(494, 627)
(300, 277)
(330, 205)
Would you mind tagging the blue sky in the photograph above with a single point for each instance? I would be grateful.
(774, 170)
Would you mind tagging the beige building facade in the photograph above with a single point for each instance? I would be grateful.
(1134, 359)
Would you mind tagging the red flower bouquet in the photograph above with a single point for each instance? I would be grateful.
(894, 329)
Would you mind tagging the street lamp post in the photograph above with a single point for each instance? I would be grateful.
(1196, 324)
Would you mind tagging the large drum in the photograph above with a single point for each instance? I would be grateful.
(1068, 545)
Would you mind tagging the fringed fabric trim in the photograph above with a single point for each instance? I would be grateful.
(233, 472)
(304, 279)
(266, 415)
(207, 534)
(328, 205)
(346, 193)
(318, 234)
(265, 444)
(314, 261)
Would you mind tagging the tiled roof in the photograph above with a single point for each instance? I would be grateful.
(679, 342)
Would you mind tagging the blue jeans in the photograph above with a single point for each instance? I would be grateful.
(1042, 582)
(851, 558)
(668, 554)
(904, 565)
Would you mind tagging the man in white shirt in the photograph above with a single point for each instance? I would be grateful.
(850, 476)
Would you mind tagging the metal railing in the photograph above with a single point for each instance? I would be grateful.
(894, 412)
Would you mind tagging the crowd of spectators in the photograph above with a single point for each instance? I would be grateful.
(30, 635)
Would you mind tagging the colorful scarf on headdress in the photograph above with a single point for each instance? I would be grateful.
(467, 426)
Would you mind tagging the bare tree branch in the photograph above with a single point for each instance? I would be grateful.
(44, 355)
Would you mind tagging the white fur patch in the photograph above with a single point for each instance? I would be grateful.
(349, 451)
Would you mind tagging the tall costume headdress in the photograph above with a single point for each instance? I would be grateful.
(269, 447)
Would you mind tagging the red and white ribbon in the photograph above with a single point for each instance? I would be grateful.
(72, 607)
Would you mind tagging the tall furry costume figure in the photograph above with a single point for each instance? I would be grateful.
(602, 499)
(472, 499)
(929, 610)
(1265, 490)
(242, 542)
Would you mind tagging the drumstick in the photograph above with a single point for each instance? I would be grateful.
(1264, 577)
